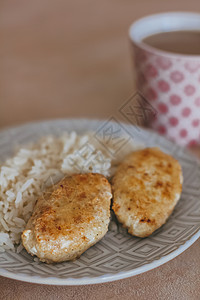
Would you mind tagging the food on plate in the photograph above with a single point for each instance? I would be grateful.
(146, 187)
(69, 219)
(33, 168)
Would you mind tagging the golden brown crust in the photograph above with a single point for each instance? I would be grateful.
(75, 212)
(146, 188)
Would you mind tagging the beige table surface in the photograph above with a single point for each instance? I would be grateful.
(72, 59)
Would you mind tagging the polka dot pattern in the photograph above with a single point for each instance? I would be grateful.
(175, 99)
(163, 86)
(189, 90)
(183, 133)
(152, 94)
(163, 63)
(192, 66)
(172, 86)
(151, 71)
(173, 121)
(197, 101)
(163, 108)
(162, 129)
(186, 112)
(177, 76)
(192, 143)
(196, 122)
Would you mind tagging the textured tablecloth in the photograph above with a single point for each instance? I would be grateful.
(72, 59)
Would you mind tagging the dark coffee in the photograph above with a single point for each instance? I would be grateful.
(182, 42)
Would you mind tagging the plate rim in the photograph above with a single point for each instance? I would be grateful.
(106, 277)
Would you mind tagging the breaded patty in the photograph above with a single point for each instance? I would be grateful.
(69, 219)
(146, 187)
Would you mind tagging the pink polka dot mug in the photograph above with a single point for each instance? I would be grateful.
(169, 81)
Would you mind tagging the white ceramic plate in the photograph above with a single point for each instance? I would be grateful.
(118, 255)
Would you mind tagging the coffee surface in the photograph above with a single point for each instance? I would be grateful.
(182, 42)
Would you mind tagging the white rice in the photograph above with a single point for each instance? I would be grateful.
(25, 176)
